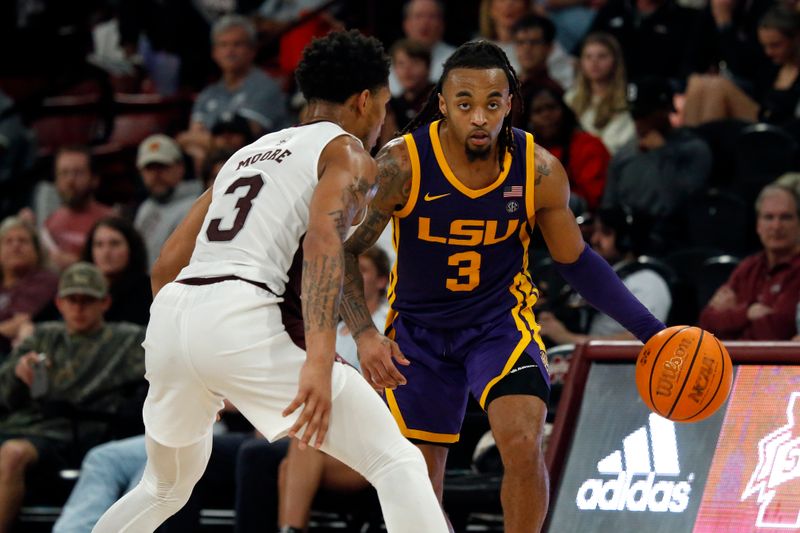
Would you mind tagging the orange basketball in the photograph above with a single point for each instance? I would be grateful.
(684, 374)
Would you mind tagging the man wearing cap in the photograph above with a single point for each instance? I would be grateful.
(667, 165)
(81, 361)
(160, 162)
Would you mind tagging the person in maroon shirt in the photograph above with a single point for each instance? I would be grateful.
(65, 231)
(583, 155)
(26, 288)
(759, 300)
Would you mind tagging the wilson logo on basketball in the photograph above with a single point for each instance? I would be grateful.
(640, 485)
(671, 369)
(775, 477)
(708, 368)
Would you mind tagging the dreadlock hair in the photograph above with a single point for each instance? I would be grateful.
(480, 55)
(341, 64)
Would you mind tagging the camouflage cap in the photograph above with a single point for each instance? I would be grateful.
(83, 278)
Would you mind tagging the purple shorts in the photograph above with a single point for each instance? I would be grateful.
(447, 364)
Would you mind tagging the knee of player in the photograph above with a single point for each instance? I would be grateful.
(402, 454)
(522, 450)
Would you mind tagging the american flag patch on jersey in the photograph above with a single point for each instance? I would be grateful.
(512, 191)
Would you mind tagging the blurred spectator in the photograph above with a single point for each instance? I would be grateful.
(212, 165)
(17, 155)
(572, 18)
(231, 132)
(726, 41)
(171, 39)
(668, 164)
(118, 251)
(599, 95)
(533, 42)
(160, 162)
(618, 236)
(759, 300)
(423, 22)
(583, 155)
(411, 62)
(776, 94)
(64, 232)
(790, 180)
(655, 36)
(83, 363)
(375, 269)
(26, 287)
(497, 21)
(244, 89)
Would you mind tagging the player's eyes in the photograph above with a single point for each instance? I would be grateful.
(494, 106)
(463, 106)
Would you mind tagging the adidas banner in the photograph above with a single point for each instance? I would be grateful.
(629, 469)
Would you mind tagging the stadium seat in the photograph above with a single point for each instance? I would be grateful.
(69, 120)
(137, 116)
(713, 273)
(762, 153)
(720, 219)
(721, 137)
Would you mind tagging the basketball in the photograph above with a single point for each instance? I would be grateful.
(684, 373)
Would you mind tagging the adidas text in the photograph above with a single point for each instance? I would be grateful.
(634, 492)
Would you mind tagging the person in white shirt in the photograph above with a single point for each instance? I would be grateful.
(423, 21)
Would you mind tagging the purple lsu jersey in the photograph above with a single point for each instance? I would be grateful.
(462, 254)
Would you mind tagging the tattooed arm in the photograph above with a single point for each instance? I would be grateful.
(346, 184)
(394, 182)
(551, 202)
(376, 351)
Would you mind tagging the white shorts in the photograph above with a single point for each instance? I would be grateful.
(210, 342)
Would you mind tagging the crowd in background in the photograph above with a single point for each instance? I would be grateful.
(678, 122)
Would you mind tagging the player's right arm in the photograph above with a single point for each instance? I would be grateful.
(375, 351)
(346, 184)
(177, 250)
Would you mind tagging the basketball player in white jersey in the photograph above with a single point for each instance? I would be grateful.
(216, 332)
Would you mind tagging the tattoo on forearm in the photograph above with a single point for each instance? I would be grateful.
(322, 278)
(354, 309)
(339, 220)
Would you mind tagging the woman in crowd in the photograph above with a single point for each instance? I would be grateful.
(776, 94)
(582, 154)
(599, 97)
(118, 251)
(27, 288)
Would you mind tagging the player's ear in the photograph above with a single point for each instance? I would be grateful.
(442, 106)
(363, 100)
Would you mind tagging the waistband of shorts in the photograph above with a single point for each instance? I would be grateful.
(219, 279)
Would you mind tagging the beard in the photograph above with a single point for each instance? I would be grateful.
(77, 200)
(474, 155)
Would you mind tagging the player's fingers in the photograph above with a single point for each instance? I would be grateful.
(394, 374)
(297, 402)
(300, 424)
(323, 427)
(313, 427)
(398, 356)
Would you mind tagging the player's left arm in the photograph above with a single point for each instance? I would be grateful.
(177, 250)
(579, 265)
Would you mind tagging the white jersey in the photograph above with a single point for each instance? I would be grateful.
(260, 206)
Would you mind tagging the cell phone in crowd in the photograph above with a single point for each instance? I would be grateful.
(39, 383)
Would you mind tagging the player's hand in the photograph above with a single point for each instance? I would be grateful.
(377, 355)
(314, 394)
(758, 310)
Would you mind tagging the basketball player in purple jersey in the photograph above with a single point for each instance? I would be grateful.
(463, 190)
